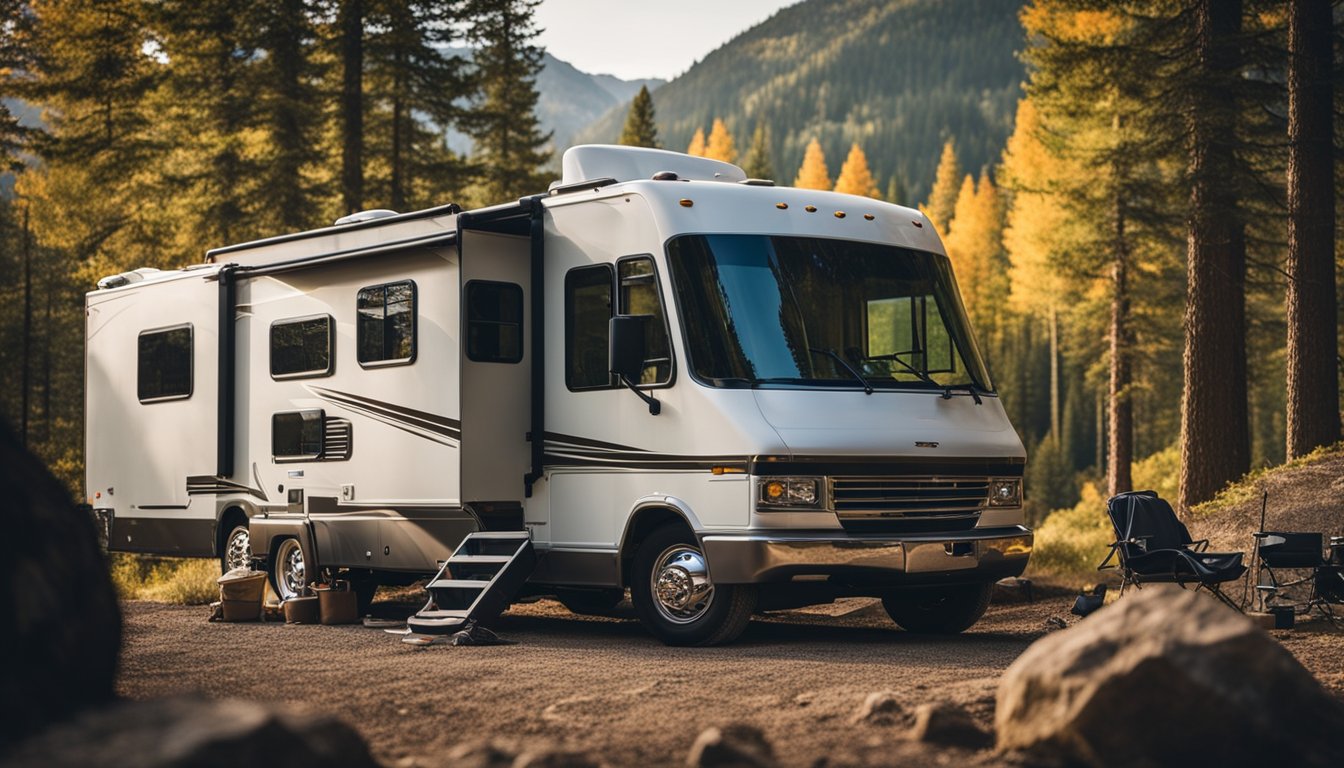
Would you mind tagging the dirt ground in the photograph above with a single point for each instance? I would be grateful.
(605, 687)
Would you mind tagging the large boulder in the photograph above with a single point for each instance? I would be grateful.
(1166, 677)
(58, 611)
(193, 733)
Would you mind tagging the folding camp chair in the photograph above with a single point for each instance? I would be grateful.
(1297, 552)
(1154, 546)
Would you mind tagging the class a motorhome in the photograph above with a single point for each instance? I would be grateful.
(720, 395)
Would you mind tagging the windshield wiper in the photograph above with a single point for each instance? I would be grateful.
(924, 377)
(867, 388)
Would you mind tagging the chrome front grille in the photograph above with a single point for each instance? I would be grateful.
(908, 504)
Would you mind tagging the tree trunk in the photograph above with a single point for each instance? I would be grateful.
(1120, 445)
(1054, 371)
(352, 105)
(25, 382)
(1313, 372)
(1215, 442)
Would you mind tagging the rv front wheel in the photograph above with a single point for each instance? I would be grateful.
(676, 601)
(237, 550)
(938, 610)
(288, 574)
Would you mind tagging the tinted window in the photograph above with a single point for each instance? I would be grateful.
(385, 330)
(494, 322)
(301, 347)
(164, 364)
(587, 315)
(639, 296)
(297, 435)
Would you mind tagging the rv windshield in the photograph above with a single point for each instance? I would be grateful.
(767, 309)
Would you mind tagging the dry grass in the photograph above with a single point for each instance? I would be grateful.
(184, 581)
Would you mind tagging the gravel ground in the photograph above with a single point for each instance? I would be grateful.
(605, 687)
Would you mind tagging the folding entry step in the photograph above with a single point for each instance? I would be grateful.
(477, 583)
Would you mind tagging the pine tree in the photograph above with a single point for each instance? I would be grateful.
(697, 146)
(946, 184)
(290, 114)
(640, 128)
(896, 193)
(417, 86)
(855, 178)
(813, 173)
(350, 34)
(1313, 368)
(758, 164)
(509, 145)
(720, 144)
(15, 38)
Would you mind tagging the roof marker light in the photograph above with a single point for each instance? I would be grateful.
(810, 208)
(839, 214)
(919, 224)
(686, 202)
(869, 216)
(782, 206)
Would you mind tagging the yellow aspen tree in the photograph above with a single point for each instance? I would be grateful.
(720, 145)
(957, 231)
(855, 178)
(697, 147)
(942, 203)
(813, 174)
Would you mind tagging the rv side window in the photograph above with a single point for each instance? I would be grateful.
(297, 435)
(163, 364)
(494, 322)
(385, 328)
(639, 296)
(302, 347)
(587, 316)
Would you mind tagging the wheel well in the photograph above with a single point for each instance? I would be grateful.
(231, 517)
(644, 522)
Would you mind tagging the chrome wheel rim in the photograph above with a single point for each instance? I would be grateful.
(680, 584)
(238, 549)
(291, 577)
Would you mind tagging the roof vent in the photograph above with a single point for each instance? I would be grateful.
(126, 278)
(370, 215)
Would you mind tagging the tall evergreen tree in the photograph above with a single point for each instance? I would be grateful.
(1313, 327)
(813, 174)
(510, 147)
(758, 164)
(641, 130)
(720, 144)
(15, 37)
(1215, 431)
(417, 86)
(290, 113)
(350, 29)
(896, 190)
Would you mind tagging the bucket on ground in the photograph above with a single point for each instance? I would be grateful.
(338, 603)
(302, 610)
(241, 591)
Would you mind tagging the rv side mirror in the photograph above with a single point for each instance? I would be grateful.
(626, 357)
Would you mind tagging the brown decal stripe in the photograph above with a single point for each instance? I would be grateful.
(208, 485)
(430, 426)
(568, 450)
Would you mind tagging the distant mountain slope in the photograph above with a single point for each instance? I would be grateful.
(898, 76)
(570, 100)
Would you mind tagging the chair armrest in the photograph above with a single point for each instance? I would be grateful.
(1115, 547)
(1199, 546)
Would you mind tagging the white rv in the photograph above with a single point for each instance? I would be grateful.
(721, 395)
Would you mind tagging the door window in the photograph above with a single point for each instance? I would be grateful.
(587, 315)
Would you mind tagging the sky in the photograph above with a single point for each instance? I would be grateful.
(644, 38)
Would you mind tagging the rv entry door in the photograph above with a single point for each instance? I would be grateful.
(496, 369)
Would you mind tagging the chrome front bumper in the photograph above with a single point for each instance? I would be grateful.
(975, 555)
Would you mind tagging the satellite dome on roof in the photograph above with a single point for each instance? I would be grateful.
(601, 161)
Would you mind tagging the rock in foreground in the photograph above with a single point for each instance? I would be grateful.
(175, 733)
(733, 746)
(1166, 677)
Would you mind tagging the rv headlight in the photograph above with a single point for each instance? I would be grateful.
(1005, 493)
(790, 492)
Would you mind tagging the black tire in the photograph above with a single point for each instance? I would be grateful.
(289, 577)
(725, 612)
(235, 548)
(943, 610)
(590, 602)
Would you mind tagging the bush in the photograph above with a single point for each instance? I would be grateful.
(1073, 541)
(185, 581)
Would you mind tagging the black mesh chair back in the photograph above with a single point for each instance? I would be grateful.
(1283, 549)
(1148, 520)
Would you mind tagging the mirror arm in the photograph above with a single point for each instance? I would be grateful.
(655, 407)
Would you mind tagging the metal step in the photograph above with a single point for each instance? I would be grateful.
(477, 583)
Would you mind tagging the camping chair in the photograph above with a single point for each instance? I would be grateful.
(1154, 546)
(1283, 550)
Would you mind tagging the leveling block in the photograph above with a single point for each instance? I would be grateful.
(472, 589)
